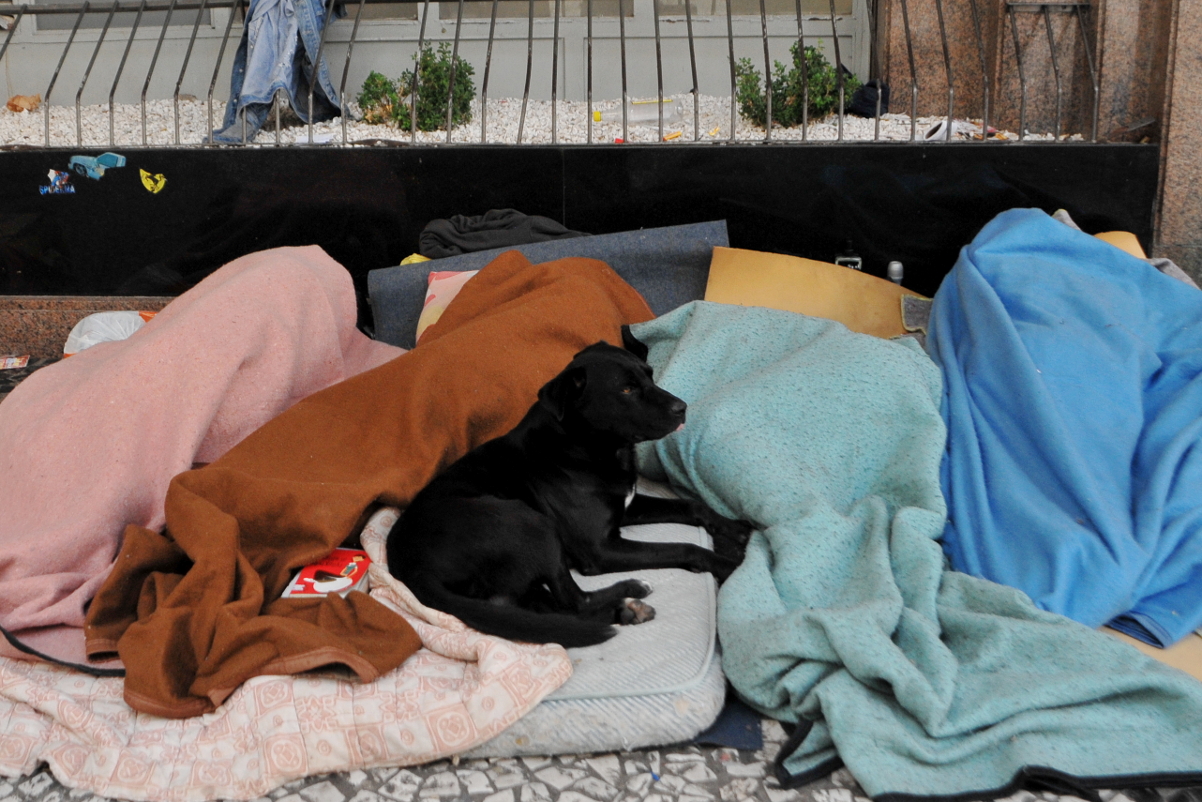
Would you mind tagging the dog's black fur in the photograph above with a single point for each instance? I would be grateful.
(492, 538)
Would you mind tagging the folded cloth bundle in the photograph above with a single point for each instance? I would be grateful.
(91, 443)
(496, 228)
(195, 611)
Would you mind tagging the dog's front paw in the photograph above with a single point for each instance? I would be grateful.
(633, 611)
(635, 588)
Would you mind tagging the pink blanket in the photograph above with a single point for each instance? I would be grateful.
(461, 689)
(90, 444)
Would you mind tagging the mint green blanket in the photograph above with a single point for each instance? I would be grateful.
(843, 618)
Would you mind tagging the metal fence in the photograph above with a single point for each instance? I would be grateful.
(925, 71)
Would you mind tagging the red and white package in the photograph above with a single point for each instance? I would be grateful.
(341, 572)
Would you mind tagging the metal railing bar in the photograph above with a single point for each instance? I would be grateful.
(622, 48)
(187, 57)
(688, 16)
(913, 72)
(876, 58)
(12, 29)
(947, 70)
(838, 68)
(1047, 19)
(529, 67)
(346, 69)
(154, 62)
(417, 56)
(229, 26)
(589, 77)
(554, 74)
(805, 77)
(120, 69)
(659, 68)
(321, 46)
(730, 40)
(1093, 75)
(1022, 78)
(454, 64)
(976, 22)
(276, 102)
(492, 30)
(87, 72)
(63, 58)
(767, 73)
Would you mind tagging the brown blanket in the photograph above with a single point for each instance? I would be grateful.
(195, 611)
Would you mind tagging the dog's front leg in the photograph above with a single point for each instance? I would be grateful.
(730, 536)
(616, 553)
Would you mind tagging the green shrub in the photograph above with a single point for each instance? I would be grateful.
(378, 99)
(789, 90)
(383, 100)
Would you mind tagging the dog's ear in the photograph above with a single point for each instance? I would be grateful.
(557, 394)
(633, 345)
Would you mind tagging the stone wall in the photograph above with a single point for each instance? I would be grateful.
(1145, 82)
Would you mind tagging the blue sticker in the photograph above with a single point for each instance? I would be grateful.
(94, 166)
(60, 184)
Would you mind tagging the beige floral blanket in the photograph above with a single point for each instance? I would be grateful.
(461, 689)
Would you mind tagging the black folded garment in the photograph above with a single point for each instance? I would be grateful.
(863, 100)
(496, 228)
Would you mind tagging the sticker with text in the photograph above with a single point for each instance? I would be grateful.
(60, 184)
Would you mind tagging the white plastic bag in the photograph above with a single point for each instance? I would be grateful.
(102, 327)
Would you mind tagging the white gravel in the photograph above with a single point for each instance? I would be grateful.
(504, 114)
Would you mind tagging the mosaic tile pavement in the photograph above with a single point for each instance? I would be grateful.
(670, 774)
(686, 773)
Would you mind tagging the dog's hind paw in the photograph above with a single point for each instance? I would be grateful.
(634, 611)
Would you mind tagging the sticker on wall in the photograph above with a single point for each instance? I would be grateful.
(94, 167)
(60, 184)
(153, 183)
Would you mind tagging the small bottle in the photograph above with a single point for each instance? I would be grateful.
(848, 256)
(895, 272)
(642, 112)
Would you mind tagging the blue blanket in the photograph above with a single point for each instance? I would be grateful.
(1074, 406)
(843, 619)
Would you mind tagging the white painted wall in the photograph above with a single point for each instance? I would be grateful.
(387, 46)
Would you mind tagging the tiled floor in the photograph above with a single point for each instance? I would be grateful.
(672, 774)
(682, 773)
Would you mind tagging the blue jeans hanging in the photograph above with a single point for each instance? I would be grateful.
(279, 45)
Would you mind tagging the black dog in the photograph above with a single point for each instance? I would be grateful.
(492, 538)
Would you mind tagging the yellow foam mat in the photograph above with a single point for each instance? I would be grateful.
(862, 302)
(1185, 655)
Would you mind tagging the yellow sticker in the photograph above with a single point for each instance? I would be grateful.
(153, 183)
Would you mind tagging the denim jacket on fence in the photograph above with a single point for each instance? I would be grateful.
(269, 58)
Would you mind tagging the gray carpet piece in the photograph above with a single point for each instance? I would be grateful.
(669, 266)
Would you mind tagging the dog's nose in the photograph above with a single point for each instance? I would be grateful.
(678, 407)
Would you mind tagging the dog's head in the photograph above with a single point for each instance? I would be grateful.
(611, 391)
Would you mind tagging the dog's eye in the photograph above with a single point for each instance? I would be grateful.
(627, 390)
